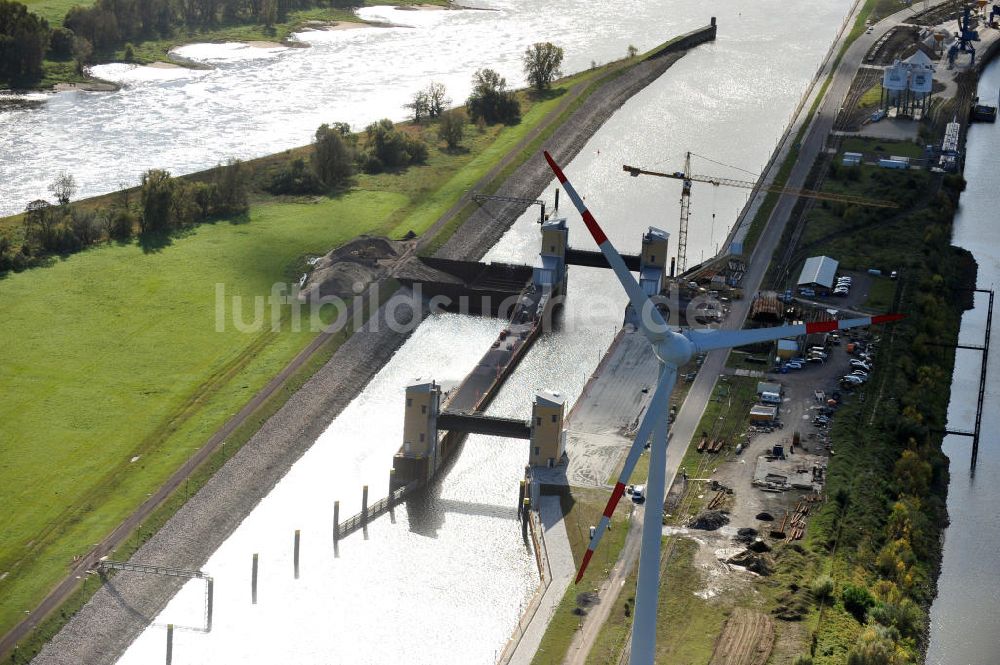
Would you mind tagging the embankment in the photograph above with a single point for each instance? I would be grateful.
(127, 603)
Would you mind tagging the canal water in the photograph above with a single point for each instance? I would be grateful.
(444, 584)
(965, 617)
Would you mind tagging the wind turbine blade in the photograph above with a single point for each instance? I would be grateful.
(648, 586)
(708, 340)
(644, 308)
(661, 396)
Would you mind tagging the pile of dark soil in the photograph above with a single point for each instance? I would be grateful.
(710, 520)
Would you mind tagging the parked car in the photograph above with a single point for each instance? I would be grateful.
(850, 378)
(860, 364)
(809, 293)
(860, 372)
(793, 365)
(639, 493)
(814, 359)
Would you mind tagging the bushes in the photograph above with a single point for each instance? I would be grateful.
(386, 147)
(296, 178)
(490, 99)
(857, 600)
(451, 128)
(822, 588)
(333, 156)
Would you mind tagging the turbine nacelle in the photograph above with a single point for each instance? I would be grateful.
(673, 349)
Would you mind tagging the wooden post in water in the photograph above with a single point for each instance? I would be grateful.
(170, 643)
(209, 602)
(336, 528)
(253, 581)
(295, 556)
(364, 510)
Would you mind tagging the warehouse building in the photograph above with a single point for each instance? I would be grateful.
(819, 272)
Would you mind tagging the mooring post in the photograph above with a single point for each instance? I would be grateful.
(336, 528)
(364, 510)
(170, 643)
(295, 556)
(392, 502)
(253, 581)
(520, 499)
(209, 601)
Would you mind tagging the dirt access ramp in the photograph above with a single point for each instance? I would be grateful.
(746, 639)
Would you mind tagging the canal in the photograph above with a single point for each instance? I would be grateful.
(446, 583)
(964, 617)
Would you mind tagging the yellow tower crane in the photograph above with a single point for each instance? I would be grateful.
(688, 178)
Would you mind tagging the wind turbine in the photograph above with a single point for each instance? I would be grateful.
(672, 349)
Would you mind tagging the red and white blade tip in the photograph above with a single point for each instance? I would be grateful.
(830, 326)
(595, 230)
(609, 510)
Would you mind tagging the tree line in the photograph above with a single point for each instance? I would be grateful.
(888, 510)
(26, 40)
(337, 154)
(161, 204)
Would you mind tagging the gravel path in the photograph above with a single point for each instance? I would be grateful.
(127, 603)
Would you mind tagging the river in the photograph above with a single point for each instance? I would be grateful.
(446, 584)
(965, 621)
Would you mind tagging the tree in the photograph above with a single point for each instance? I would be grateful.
(156, 200)
(541, 64)
(63, 187)
(490, 100)
(232, 188)
(333, 159)
(85, 226)
(437, 99)
(451, 127)
(61, 44)
(632, 51)
(24, 39)
(419, 106)
(82, 50)
(268, 12)
(39, 223)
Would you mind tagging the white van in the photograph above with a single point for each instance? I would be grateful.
(770, 398)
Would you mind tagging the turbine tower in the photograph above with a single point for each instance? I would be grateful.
(672, 349)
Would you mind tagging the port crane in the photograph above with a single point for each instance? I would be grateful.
(688, 178)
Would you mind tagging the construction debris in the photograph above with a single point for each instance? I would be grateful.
(762, 564)
(710, 520)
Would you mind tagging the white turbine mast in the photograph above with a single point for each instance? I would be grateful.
(672, 349)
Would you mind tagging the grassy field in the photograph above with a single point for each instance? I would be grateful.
(687, 624)
(114, 355)
(580, 511)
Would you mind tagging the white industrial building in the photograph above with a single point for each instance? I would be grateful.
(818, 272)
(907, 85)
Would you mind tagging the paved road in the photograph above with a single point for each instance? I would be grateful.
(562, 569)
(821, 125)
